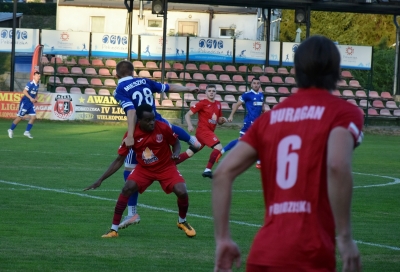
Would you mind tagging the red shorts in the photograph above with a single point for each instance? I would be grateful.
(168, 177)
(207, 138)
(261, 268)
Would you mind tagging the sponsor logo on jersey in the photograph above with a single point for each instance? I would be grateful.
(148, 156)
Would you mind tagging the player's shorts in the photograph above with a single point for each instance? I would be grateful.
(261, 268)
(207, 138)
(168, 178)
(26, 108)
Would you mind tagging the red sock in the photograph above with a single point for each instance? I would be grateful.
(213, 156)
(183, 206)
(182, 157)
(120, 208)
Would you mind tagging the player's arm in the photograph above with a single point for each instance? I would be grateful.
(234, 109)
(188, 120)
(340, 187)
(114, 166)
(176, 149)
(25, 92)
(131, 117)
(236, 162)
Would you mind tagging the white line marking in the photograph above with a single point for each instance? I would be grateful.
(163, 209)
(395, 181)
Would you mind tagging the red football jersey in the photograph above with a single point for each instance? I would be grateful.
(208, 112)
(291, 142)
(153, 150)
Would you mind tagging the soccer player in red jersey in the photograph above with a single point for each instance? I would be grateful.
(305, 145)
(152, 143)
(210, 114)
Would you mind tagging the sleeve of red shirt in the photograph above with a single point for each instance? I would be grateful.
(123, 150)
(197, 107)
(169, 135)
(350, 118)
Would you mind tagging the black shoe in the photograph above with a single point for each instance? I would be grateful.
(207, 174)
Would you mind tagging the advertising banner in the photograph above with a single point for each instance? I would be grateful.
(65, 106)
(57, 42)
(210, 49)
(274, 53)
(151, 48)
(288, 50)
(248, 51)
(25, 40)
(113, 45)
(355, 57)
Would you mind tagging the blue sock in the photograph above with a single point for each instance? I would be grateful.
(133, 198)
(230, 145)
(13, 126)
(182, 134)
(28, 127)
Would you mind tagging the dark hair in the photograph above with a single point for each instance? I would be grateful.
(124, 68)
(211, 86)
(143, 108)
(36, 73)
(317, 63)
(255, 78)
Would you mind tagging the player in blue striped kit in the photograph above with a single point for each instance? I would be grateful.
(26, 106)
(254, 103)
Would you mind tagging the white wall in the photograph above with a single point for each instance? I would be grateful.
(78, 19)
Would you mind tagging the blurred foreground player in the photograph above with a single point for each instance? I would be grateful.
(306, 142)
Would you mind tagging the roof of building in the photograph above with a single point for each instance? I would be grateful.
(5, 16)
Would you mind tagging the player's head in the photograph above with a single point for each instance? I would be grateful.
(317, 63)
(124, 68)
(255, 84)
(146, 117)
(36, 76)
(211, 90)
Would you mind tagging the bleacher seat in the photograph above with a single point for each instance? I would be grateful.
(61, 90)
(361, 94)
(270, 70)
(97, 62)
(104, 92)
(145, 74)
(104, 72)
(283, 70)
(184, 75)
(219, 88)
(256, 69)
(202, 86)
(211, 77)
(348, 93)
(188, 97)
(191, 67)
(396, 113)
(135, 74)
(230, 88)
(352, 101)
(271, 100)
(290, 80)
(180, 103)
(151, 65)
(158, 96)
(45, 60)
(294, 90)
(110, 82)
(283, 90)
(114, 72)
(218, 97)
(68, 80)
(175, 96)
(76, 70)
(90, 71)
(177, 66)
(191, 85)
(386, 95)
(82, 81)
(157, 74)
(270, 90)
(96, 82)
(264, 79)
(277, 80)
(54, 79)
(391, 105)
(225, 106)
(240, 108)
(363, 103)
(62, 70)
(111, 63)
(70, 62)
(201, 96)
(373, 112)
(198, 76)
(75, 90)
(167, 65)
(292, 71)
(171, 75)
(250, 78)
(243, 68)
(217, 68)
(90, 91)
(342, 83)
(374, 95)
(193, 103)
(282, 98)
(137, 64)
(242, 88)
(230, 68)
(230, 98)
(385, 112)
(378, 104)
(336, 93)
(204, 67)
(167, 103)
(354, 83)
(347, 74)
(48, 70)
(237, 78)
(224, 77)
(56, 60)
(83, 62)
(157, 103)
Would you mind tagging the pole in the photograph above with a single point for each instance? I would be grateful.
(129, 8)
(14, 32)
(164, 43)
(308, 21)
(268, 22)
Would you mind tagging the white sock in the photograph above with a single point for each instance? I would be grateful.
(222, 151)
(181, 220)
(131, 210)
(207, 170)
(114, 227)
(258, 162)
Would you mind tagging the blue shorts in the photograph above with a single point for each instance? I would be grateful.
(26, 108)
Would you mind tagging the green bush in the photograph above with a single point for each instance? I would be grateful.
(31, 8)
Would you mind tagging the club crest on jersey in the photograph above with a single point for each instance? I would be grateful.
(63, 108)
(159, 138)
(148, 156)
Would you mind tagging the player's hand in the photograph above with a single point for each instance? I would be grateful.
(227, 252)
(190, 128)
(33, 100)
(93, 186)
(175, 156)
(350, 255)
(230, 119)
(193, 89)
(129, 141)
(222, 120)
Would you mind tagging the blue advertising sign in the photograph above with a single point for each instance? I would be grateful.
(26, 40)
(151, 48)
